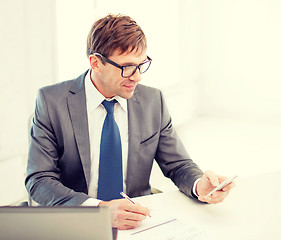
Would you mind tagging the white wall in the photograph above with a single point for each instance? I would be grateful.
(240, 58)
(27, 62)
(73, 24)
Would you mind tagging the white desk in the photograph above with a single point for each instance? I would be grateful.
(252, 210)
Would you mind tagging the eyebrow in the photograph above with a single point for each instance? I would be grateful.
(131, 63)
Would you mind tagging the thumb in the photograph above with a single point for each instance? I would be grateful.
(213, 178)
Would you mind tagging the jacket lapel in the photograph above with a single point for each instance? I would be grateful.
(134, 123)
(78, 114)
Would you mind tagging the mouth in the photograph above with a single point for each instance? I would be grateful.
(130, 87)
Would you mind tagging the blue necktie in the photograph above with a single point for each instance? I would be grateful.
(110, 182)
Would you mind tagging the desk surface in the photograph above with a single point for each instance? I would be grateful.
(251, 211)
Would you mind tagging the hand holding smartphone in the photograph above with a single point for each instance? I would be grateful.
(224, 183)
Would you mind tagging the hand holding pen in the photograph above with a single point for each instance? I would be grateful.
(126, 214)
(124, 195)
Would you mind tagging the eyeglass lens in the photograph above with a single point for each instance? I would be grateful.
(130, 70)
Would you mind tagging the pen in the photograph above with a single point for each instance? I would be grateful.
(124, 195)
(127, 197)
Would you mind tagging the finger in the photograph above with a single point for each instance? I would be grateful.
(144, 210)
(136, 208)
(229, 186)
(214, 179)
(131, 211)
(217, 197)
(132, 216)
(128, 220)
(128, 224)
(203, 199)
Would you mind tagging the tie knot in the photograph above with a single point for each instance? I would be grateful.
(109, 105)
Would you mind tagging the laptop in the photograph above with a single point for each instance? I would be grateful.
(55, 223)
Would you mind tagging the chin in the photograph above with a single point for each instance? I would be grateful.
(127, 95)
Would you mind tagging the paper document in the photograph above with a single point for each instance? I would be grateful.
(164, 229)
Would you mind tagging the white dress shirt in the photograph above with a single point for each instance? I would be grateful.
(96, 115)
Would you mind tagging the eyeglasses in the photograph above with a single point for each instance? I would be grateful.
(129, 70)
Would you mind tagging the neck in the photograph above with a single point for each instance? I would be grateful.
(99, 86)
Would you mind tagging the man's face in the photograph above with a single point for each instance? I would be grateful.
(109, 80)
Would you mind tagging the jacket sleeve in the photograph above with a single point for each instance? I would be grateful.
(43, 171)
(172, 157)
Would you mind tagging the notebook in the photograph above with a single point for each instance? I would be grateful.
(55, 223)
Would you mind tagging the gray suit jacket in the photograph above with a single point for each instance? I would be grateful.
(58, 169)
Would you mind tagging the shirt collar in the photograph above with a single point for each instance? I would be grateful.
(95, 98)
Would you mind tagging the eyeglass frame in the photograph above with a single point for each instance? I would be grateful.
(122, 67)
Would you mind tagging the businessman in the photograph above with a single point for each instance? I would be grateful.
(98, 135)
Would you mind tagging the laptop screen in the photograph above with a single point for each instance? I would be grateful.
(55, 223)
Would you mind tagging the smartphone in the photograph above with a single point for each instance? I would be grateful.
(224, 183)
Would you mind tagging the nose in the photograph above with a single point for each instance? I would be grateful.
(136, 77)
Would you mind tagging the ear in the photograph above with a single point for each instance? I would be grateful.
(94, 62)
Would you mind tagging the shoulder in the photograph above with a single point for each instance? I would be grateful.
(146, 89)
(62, 89)
(148, 98)
(147, 92)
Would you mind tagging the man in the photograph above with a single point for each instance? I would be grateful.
(67, 149)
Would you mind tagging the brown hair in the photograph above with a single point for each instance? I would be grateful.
(115, 32)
